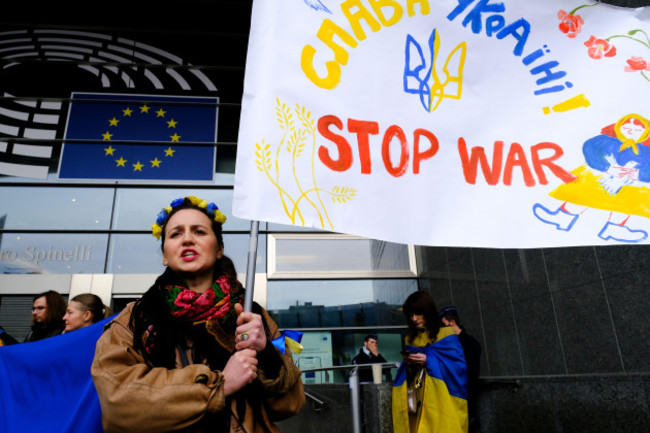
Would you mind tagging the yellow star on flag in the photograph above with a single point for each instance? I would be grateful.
(155, 163)
(175, 137)
(172, 123)
(137, 166)
(160, 113)
(121, 162)
(107, 136)
(127, 111)
(169, 151)
(109, 150)
(113, 122)
(144, 108)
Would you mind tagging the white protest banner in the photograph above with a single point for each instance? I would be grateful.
(512, 124)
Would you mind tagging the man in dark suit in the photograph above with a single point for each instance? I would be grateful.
(369, 354)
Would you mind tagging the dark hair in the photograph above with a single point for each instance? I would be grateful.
(450, 313)
(56, 307)
(94, 304)
(421, 303)
(454, 318)
(151, 309)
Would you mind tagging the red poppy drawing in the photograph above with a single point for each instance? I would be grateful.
(599, 48)
(570, 24)
(635, 64)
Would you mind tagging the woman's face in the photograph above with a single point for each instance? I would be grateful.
(191, 247)
(75, 317)
(631, 130)
(418, 320)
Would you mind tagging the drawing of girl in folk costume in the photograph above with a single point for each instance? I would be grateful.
(616, 178)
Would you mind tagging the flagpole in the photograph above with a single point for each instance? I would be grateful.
(250, 268)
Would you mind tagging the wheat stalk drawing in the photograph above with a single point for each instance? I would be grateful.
(299, 134)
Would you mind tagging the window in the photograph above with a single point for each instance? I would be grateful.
(337, 256)
(47, 208)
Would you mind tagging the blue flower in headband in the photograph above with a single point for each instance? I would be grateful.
(177, 202)
(162, 216)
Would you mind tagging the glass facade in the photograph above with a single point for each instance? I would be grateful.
(335, 288)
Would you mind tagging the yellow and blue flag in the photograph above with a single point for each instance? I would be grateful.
(184, 130)
(444, 401)
(289, 338)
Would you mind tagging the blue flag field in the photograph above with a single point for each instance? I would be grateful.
(46, 385)
(113, 118)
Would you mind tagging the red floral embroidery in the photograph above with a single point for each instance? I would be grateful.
(635, 64)
(599, 48)
(224, 283)
(571, 25)
(223, 307)
(187, 298)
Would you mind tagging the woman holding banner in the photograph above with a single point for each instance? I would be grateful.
(430, 388)
(177, 359)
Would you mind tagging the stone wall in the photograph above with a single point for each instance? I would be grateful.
(552, 311)
(580, 404)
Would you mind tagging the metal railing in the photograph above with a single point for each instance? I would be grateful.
(354, 388)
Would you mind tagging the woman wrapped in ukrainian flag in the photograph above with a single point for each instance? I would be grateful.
(434, 366)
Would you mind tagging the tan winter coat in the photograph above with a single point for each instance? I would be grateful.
(137, 398)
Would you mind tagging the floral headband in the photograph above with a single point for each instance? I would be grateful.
(213, 212)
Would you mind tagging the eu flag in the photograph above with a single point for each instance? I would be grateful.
(112, 118)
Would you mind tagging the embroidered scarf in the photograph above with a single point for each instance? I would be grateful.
(213, 309)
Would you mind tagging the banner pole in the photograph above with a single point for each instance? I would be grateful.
(250, 268)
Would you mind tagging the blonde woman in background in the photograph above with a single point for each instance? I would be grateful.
(84, 310)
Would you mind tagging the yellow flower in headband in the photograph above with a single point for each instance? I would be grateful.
(157, 231)
(198, 202)
(219, 217)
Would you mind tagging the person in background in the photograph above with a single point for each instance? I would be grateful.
(83, 310)
(48, 309)
(472, 351)
(430, 387)
(5, 339)
(369, 354)
(185, 356)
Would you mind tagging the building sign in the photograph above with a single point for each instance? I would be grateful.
(317, 353)
(42, 254)
(454, 123)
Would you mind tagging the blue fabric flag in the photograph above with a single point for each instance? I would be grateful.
(289, 338)
(445, 361)
(46, 385)
(443, 392)
(111, 117)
